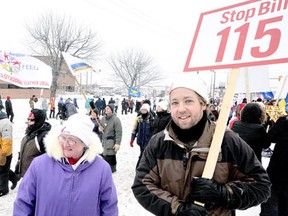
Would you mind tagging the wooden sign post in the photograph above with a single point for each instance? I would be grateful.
(221, 125)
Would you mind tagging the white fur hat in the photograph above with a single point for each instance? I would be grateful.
(80, 126)
(145, 106)
(163, 105)
(193, 82)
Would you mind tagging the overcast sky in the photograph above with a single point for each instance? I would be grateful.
(164, 29)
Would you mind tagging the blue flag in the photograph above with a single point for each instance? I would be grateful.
(133, 92)
(267, 95)
(76, 64)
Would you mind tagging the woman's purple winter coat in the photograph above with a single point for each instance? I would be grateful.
(52, 187)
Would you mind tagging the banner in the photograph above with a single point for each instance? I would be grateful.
(76, 64)
(24, 71)
(133, 92)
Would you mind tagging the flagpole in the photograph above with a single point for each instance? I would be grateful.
(79, 65)
(83, 93)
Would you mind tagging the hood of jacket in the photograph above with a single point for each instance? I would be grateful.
(253, 113)
(54, 149)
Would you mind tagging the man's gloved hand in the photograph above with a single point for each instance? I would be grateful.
(209, 192)
(187, 209)
(131, 142)
(2, 159)
(116, 147)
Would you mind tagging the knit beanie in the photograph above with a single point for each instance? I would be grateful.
(80, 126)
(145, 106)
(163, 105)
(111, 106)
(192, 82)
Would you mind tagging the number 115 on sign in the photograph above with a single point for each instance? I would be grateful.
(242, 35)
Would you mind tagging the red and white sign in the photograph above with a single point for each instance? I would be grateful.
(246, 34)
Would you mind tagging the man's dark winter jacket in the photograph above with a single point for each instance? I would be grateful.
(254, 135)
(164, 175)
(161, 121)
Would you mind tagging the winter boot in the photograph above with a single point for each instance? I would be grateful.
(113, 168)
(14, 182)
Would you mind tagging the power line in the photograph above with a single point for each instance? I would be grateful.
(144, 16)
(137, 13)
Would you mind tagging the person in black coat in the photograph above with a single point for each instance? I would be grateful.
(162, 117)
(124, 105)
(111, 101)
(103, 105)
(98, 105)
(251, 128)
(138, 106)
(9, 109)
(277, 170)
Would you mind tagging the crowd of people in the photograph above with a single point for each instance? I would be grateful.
(168, 178)
(174, 138)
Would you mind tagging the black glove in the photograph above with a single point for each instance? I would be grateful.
(17, 167)
(209, 192)
(189, 208)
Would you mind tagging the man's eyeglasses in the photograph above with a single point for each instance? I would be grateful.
(70, 141)
(29, 119)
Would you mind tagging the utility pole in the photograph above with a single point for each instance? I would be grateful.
(214, 83)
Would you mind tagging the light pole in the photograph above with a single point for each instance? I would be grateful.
(86, 81)
(213, 85)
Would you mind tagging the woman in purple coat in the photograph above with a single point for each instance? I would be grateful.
(71, 178)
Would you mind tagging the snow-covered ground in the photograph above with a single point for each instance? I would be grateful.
(127, 158)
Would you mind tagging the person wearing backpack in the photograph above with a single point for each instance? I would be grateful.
(32, 144)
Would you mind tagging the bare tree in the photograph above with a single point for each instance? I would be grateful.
(52, 34)
(134, 69)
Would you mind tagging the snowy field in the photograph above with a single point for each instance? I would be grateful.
(127, 158)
